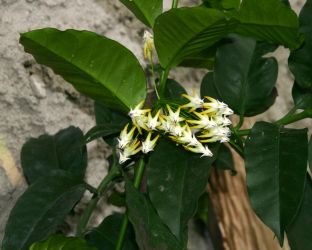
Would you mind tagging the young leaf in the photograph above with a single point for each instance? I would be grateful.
(96, 66)
(271, 21)
(176, 179)
(299, 232)
(65, 150)
(182, 33)
(276, 165)
(302, 96)
(42, 207)
(146, 11)
(60, 242)
(243, 78)
(150, 232)
(105, 236)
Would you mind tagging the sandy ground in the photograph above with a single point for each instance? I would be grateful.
(35, 101)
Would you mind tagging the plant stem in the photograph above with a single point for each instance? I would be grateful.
(162, 82)
(242, 132)
(139, 171)
(296, 117)
(83, 222)
(174, 4)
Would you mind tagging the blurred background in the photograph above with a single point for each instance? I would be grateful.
(34, 101)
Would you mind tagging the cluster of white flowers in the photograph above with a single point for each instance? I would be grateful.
(209, 121)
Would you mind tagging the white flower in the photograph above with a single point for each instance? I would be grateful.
(222, 120)
(204, 122)
(174, 117)
(125, 137)
(164, 125)
(187, 137)
(149, 145)
(215, 106)
(195, 102)
(221, 134)
(138, 116)
(200, 149)
(152, 122)
(176, 130)
(138, 111)
(131, 149)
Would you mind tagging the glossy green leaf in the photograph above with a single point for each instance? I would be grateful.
(204, 59)
(183, 33)
(243, 78)
(224, 159)
(42, 207)
(202, 212)
(146, 11)
(222, 4)
(105, 236)
(150, 232)
(96, 66)
(270, 21)
(302, 96)
(64, 150)
(305, 19)
(100, 131)
(172, 172)
(300, 231)
(276, 165)
(60, 242)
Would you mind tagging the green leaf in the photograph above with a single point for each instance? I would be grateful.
(305, 19)
(42, 207)
(176, 179)
(302, 96)
(105, 236)
(224, 159)
(243, 78)
(300, 64)
(60, 242)
(64, 150)
(208, 87)
(150, 232)
(299, 232)
(202, 212)
(276, 165)
(271, 21)
(100, 131)
(204, 59)
(109, 119)
(183, 33)
(222, 4)
(96, 66)
(146, 11)
(173, 90)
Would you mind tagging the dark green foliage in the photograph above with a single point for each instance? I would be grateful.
(41, 209)
(65, 150)
(276, 164)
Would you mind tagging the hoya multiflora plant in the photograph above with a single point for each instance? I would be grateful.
(165, 143)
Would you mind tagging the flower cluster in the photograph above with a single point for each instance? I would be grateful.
(207, 121)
